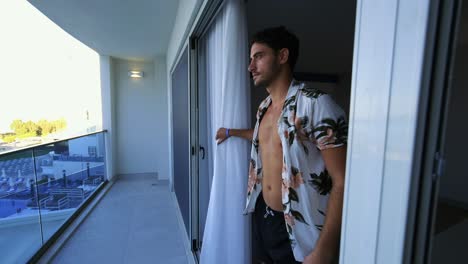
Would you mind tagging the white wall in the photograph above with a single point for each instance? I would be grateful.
(136, 112)
(161, 135)
(135, 118)
(108, 114)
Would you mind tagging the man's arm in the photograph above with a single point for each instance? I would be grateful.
(327, 247)
(221, 134)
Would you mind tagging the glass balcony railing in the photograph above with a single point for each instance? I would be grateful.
(41, 188)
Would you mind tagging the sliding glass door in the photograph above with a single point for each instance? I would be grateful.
(180, 137)
(438, 222)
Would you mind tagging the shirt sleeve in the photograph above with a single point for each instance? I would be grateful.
(329, 128)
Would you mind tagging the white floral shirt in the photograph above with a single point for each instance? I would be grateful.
(306, 182)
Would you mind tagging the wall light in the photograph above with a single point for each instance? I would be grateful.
(136, 74)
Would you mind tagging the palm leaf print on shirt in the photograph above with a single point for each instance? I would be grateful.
(322, 183)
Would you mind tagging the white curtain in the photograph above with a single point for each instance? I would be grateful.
(225, 53)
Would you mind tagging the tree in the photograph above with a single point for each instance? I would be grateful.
(41, 128)
(32, 128)
(18, 126)
(9, 138)
(46, 127)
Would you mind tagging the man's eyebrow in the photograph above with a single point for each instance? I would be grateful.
(257, 53)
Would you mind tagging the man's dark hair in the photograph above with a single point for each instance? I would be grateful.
(278, 38)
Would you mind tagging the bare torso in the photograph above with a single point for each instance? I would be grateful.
(272, 158)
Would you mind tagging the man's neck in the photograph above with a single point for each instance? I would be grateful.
(279, 89)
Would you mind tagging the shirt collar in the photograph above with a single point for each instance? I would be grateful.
(292, 91)
(290, 96)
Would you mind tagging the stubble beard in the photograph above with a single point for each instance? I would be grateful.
(273, 73)
(262, 83)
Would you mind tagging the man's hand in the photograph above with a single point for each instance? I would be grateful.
(221, 135)
(241, 133)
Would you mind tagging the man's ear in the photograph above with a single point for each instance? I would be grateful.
(283, 55)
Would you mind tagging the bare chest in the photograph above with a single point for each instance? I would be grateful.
(268, 131)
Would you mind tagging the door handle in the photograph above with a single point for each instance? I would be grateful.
(203, 152)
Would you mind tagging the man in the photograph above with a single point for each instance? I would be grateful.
(297, 167)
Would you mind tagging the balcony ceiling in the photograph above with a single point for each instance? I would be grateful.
(128, 29)
(137, 29)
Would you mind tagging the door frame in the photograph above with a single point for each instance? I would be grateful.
(387, 76)
(204, 19)
(383, 28)
(182, 226)
(429, 157)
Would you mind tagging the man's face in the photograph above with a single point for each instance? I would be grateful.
(264, 64)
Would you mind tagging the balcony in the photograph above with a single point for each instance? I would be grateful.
(50, 191)
(135, 222)
(389, 209)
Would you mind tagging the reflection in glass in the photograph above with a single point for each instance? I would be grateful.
(67, 176)
(40, 188)
(20, 230)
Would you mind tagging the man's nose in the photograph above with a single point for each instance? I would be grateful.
(251, 66)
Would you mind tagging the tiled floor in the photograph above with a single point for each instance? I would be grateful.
(135, 222)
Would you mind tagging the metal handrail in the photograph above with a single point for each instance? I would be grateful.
(52, 142)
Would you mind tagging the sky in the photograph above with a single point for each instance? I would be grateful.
(44, 72)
